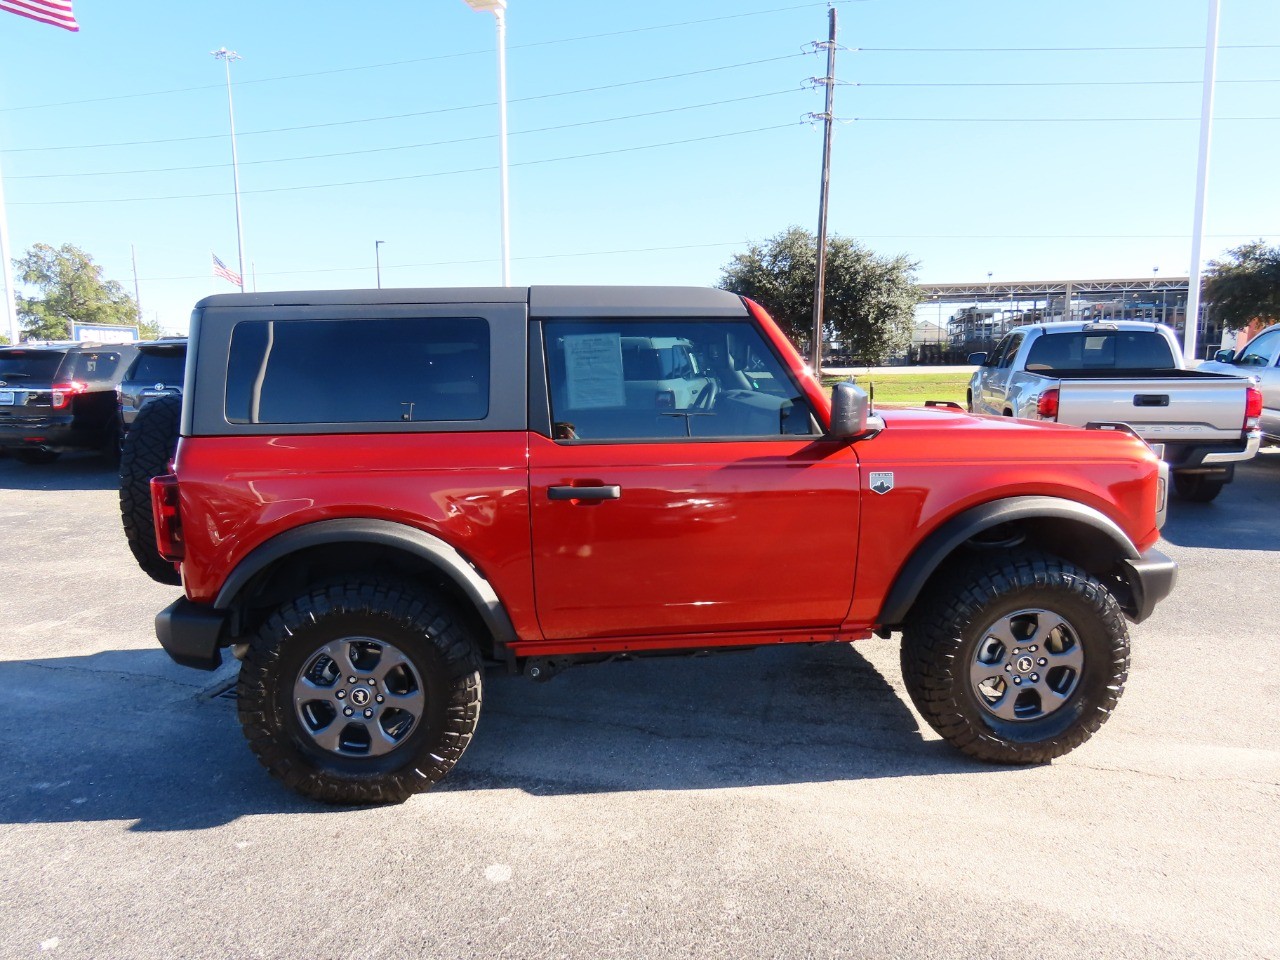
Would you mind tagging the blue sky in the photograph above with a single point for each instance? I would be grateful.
(995, 154)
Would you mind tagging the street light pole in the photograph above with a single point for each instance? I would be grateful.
(226, 56)
(377, 257)
(499, 10)
(1191, 325)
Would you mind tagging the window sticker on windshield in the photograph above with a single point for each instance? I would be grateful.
(593, 370)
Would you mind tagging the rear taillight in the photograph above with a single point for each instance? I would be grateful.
(168, 519)
(1047, 405)
(1252, 407)
(63, 392)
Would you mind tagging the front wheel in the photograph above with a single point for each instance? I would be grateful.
(1018, 662)
(1197, 487)
(361, 691)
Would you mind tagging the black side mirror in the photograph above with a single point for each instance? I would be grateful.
(850, 407)
(978, 359)
(1224, 356)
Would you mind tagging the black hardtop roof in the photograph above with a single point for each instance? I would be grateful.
(543, 301)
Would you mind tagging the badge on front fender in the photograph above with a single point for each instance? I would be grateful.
(882, 481)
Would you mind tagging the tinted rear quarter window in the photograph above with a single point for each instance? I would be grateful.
(94, 367)
(358, 371)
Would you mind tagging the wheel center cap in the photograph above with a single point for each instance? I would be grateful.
(361, 697)
(1024, 664)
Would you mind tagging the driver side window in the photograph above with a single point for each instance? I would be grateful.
(1259, 352)
(620, 380)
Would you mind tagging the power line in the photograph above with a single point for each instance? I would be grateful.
(1221, 46)
(438, 57)
(405, 116)
(411, 176)
(404, 146)
(1052, 119)
(1056, 83)
(726, 243)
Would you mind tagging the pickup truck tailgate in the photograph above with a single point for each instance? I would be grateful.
(1159, 409)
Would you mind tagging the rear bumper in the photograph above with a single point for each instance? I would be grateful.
(43, 433)
(1151, 578)
(1212, 457)
(192, 633)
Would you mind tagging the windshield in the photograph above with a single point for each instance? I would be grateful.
(1101, 350)
(34, 365)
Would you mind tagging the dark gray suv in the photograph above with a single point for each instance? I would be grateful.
(157, 371)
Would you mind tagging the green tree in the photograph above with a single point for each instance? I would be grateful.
(869, 302)
(1245, 285)
(70, 289)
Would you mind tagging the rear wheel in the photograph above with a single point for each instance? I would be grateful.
(1018, 662)
(361, 691)
(148, 447)
(1197, 487)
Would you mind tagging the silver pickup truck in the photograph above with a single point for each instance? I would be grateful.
(1128, 372)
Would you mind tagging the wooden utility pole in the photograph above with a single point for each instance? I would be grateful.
(828, 117)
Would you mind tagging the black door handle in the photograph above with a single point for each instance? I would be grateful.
(1151, 400)
(585, 493)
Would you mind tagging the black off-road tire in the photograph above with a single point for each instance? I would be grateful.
(148, 447)
(944, 636)
(1197, 487)
(422, 627)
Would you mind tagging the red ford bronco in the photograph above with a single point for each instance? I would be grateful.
(376, 491)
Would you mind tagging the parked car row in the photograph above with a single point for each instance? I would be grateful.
(59, 397)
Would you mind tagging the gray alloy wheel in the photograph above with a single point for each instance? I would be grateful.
(1017, 656)
(358, 697)
(1026, 666)
(361, 690)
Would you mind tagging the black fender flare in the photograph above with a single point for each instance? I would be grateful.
(387, 533)
(937, 546)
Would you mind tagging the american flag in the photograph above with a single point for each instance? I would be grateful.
(56, 12)
(220, 269)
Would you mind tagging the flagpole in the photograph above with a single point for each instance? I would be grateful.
(226, 56)
(10, 306)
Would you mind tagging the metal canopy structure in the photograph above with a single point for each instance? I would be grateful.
(990, 291)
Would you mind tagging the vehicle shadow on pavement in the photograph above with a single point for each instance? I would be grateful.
(1241, 518)
(112, 737)
(776, 715)
(70, 472)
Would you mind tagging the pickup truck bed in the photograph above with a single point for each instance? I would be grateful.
(1198, 420)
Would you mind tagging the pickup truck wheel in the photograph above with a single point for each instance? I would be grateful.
(360, 691)
(1018, 662)
(145, 453)
(1197, 487)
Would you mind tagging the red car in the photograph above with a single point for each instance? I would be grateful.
(376, 491)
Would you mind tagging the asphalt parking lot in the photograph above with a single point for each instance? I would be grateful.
(782, 803)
